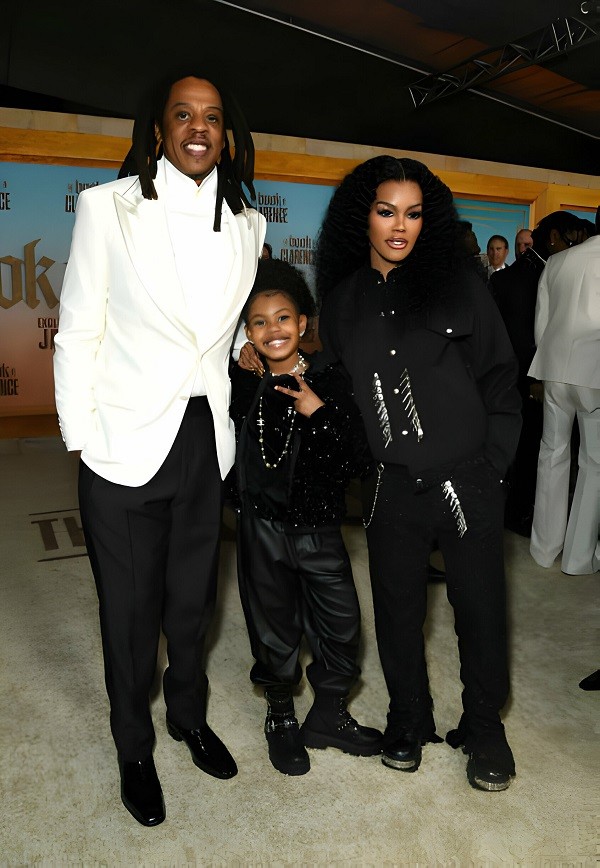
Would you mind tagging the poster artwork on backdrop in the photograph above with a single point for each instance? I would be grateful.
(37, 209)
(294, 213)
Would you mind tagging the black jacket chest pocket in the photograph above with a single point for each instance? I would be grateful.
(451, 324)
(449, 335)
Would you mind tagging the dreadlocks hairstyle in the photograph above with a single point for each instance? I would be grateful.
(343, 244)
(561, 221)
(146, 150)
(275, 275)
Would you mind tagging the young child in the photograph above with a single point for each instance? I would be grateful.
(300, 440)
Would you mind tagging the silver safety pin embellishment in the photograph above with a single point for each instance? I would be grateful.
(382, 413)
(409, 405)
(455, 507)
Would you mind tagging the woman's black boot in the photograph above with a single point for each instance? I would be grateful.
(330, 724)
(286, 749)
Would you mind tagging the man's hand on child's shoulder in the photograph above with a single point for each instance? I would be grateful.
(249, 359)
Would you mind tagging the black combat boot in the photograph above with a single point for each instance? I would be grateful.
(330, 724)
(286, 749)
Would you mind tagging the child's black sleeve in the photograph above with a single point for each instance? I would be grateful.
(335, 433)
(243, 388)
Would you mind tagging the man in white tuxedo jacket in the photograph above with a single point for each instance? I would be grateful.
(567, 333)
(160, 266)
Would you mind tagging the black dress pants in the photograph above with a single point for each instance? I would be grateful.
(293, 584)
(404, 523)
(522, 475)
(154, 551)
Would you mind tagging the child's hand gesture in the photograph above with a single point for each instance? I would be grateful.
(305, 401)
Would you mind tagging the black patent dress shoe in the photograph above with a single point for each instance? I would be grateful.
(207, 750)
(404, 752)
(141, 792)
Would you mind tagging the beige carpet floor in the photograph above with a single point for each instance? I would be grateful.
(59, 778)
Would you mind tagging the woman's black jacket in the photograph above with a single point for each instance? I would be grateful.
(435, 383)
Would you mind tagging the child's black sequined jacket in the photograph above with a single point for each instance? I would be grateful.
(306, 490)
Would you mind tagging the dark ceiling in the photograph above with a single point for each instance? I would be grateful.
(334, 70)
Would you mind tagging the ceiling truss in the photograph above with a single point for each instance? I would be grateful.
(562, 35)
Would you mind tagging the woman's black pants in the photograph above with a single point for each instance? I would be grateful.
(295, 584)
(405, 521)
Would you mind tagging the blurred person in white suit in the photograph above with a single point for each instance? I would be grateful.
(161, 263)
(567, 359)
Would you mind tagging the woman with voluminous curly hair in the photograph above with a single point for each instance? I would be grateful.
(433, 374)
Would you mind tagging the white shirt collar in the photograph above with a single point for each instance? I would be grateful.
(181, 187)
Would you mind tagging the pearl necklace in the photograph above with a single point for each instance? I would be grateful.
(299, 368)
(261, 425)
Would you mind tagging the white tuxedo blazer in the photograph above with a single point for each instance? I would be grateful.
(126, 355)
(567, 317)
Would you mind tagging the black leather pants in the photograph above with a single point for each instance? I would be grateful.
(295, 584)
